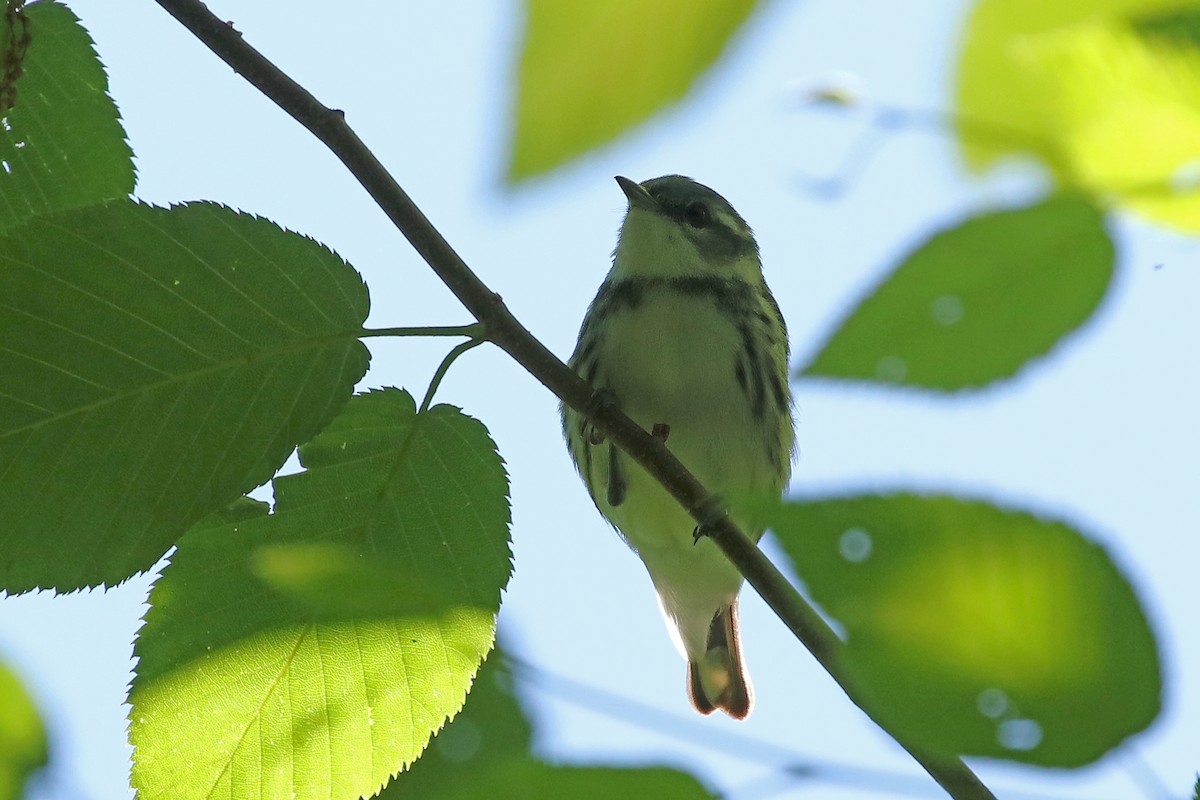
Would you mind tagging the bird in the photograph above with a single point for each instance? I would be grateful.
(685, 337)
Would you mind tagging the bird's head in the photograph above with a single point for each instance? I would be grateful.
(676, 227)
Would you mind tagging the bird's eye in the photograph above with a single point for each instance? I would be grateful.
(697, 215)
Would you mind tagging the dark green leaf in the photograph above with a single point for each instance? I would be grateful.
(1178, 26)
(23, 747)
(61, 142)
(979, 631)
(156, 363)
(248, 687)
(590, 71)
(976, 302)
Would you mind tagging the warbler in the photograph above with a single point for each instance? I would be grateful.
(687, 339)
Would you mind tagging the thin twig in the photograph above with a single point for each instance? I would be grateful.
(440, 373)
(506, 332)
(884, 121)
(792, 768)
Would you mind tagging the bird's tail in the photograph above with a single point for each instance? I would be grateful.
(718, 679)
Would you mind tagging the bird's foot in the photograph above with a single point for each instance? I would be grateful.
(712, 511)
(601, 400)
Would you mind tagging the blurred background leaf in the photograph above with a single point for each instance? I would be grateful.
(491, 728)
(976, 630)
(1104, 92)
(247, 691)
(23, 745)
(519, 780)
(976, 302)
(61, 145)
(591, 71)
(484, 752)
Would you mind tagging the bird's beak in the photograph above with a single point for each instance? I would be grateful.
(638, 197)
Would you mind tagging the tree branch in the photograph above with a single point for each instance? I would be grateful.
(506, 332)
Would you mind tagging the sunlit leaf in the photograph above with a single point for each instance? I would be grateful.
(155, 364)
(1104, 92)
(485, 753)
(590, 71)
(491, 729)
(23, 746)
(976, 630)
(249, 688)
(61, 141)
(976, 302)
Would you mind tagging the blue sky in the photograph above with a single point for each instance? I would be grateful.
(1102, 432)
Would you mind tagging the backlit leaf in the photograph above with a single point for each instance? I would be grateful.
(23, 746)
(591, 71)
(249, 688)
(491, 728)
(1104, 92)
(979, 631)
(977, 301)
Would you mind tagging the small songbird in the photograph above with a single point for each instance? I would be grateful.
(686, 338)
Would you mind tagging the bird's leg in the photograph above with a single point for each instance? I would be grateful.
(601, 400)
(661, 431)
(711, 514)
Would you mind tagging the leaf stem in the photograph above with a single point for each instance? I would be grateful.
(475, 331)
(329, 126)
(442, 368)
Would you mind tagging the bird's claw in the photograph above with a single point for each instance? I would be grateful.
(600, 400)
(711, 513)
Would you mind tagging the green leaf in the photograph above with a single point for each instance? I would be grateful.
(976, 302)
(1196, 789)
(1180, 26)
(23, 746)
(61, 142)
(154, 365)
(491, 729)
(484, 753)
(1103, 92)
(979, 631)
(590, 71)
(520, 780)
(248, 689)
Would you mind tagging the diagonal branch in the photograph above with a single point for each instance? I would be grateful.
(506, 332)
